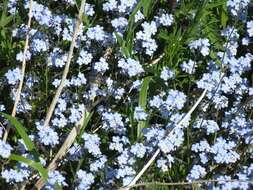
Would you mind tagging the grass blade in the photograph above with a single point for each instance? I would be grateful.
(143, 103)
(87, 117)
(21, 131)
(144, 92)
(36, 165)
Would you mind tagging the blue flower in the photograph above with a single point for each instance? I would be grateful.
(5, 149)
(139, 114)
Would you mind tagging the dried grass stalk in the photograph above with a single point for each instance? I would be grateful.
(20, 85)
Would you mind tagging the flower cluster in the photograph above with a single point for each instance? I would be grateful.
(202, 45)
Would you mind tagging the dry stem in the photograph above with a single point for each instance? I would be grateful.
(67, 143)
(62, 151)
(66, 69)
(152, 159)
(18, 93)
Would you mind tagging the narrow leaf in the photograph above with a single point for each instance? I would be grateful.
(224, 19)
(143, 103)
(36, 165)
(119, 39)
(144, 93)
(57, 186)
(87, 118)
(21, 131)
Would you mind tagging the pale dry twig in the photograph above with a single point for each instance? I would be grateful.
(156, 153)
(18, 93)
(66, 68)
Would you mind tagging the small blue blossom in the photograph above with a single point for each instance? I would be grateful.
(202, 146)
(89, 9)
(153, 134)
(209, 125)
(14, 176)
(39, 45)
(223, 151)
(75, 152)
(165, 163)
(96, 33)
(84, 58)
(119, 23)
(59, 121)
(41, 14)
(101, 65)
(156, 102)
(54, 177)
(57, 58)
(139, 114)
(5, 149)
(166, 19)
(138, 150)
(98, 164)
(78, 81)
(13, 76)
(47, 135)
(113, 121)
(209, 80)
(12, 6)
(123, 158)
(118, 93)
(2, 108)
(92, 143)
(175, 100)
(118, 143)
(109, 5)
(197, 172)
(138, 16)
(202, 45)
(171, 142)
(237, 7)
(85, 180)
(203, 158)
(130, 67)
(250, 28)
(167, 74)
(189, 67)
(145, 36)
(125, 171)
(126, 5)
(245, 41)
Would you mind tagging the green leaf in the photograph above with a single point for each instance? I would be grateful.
(122, 43)
(21, 131)
(36, 165)
(5, 20)
(142, 103)
(216, 4)
(88, 115)
(144, 93)
(87, 118)
(146, 7)
(224, 18)
(137, 7)
(57, 186)
(119, 39)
